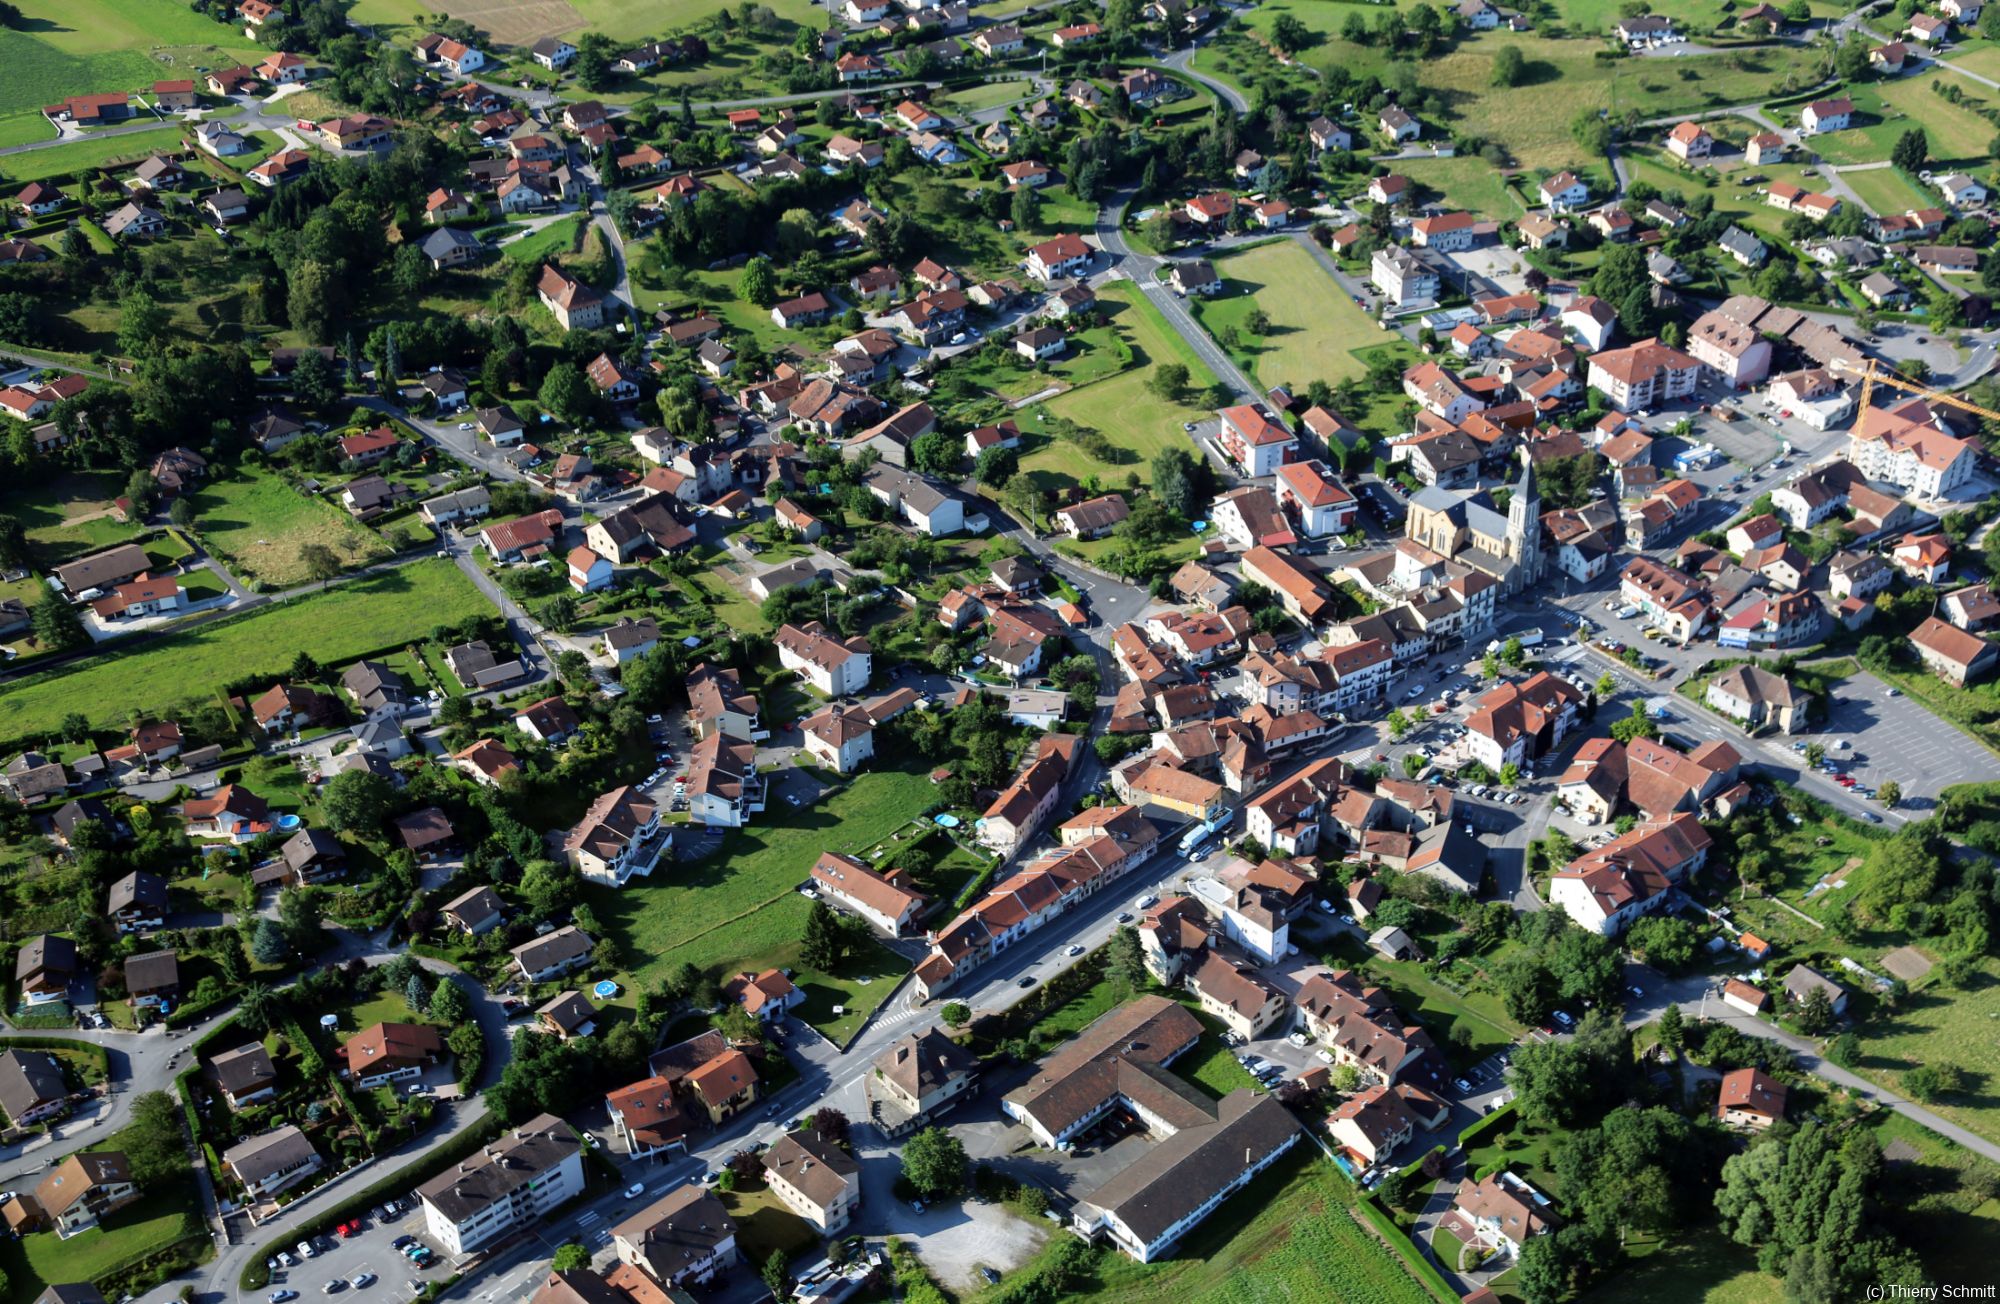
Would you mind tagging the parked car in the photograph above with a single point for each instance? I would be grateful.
(362, 1280)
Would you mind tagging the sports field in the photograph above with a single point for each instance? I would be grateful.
(76, 47)
(336, 626)
(1315, 328)
(258, 525)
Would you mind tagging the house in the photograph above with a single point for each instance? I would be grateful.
(1835, 114)
(1925, 558)
(135, 221)
(1591, 320)
(1689, 141)
(389, 1052)
(1746, 249)
(137, 901)
(43, 968)
(1952, 654)
(1309, 493)
(32, 1087)
(89, 1184)
(1327, 134)
(477, 911)
(1564, 191)
(1929, 28)
(1973, 607)
(1398, 125)
(815, 1178)
(426, 832)
(999, 39)
(1605, 890)
(885, 904)
(575, 305)
(568, 1017)
(835, 667)
(921, 1076)
(517, 1180)
(275, 1161)
(449, 247)
(553, 53)
(1255, 441)
(153, 981)
(1647, 374)
(1299, 591)
(1804, 980)
(1503, 1211)
(1402, 277)
(1960, 190)
(32, 777)
(1093, 518)
(1887, 60)
(767, 995)
(554, 954)
(1065, 255)
(1755, 697)
(806, 310)
(685, 1238)
(219, 140)
(1750, 1098)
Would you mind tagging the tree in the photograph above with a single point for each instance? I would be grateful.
(267, 942)
(1399, 723)
(257, 1008)
(1816, 1012)
(181, 512)
(955, 1014)
(1845, 1050)
(1125, 962)
(1346, 1078)
(1489, 666)
(824, 941)
(1413, 764)
(1169, 381)
(1636, 725)
(1815, 753)
(1291, 35)
(1911, 151)
(320, 562)
(1542, 1276)
(153, 1142)
(1665, 942)
(1026, 208)
(1509, 66)
(449, 1003)
(355, 801)
(1591, 131)
(996, 466)
(142, 325)
(774, 1275)
(760, 282)
(565, 392)
(56, 625)
(1671, 1029)
(1513, 653)
(559, 613)
(316, 380)
(833, 1125)
(1890, 792)
(569, 1256)
(1607, 684)
(300, 917)
(934, 1163)
(937, 453)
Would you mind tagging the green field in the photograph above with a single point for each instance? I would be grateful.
(107, 45)
(522, 22)
(91, 152)
(258, 524)
(1885, 110)
(737, 908)
(1984, 60)
(1469, 183)
(1885, 190)
(335, 626)
(1121, 407)
(1288, 1239)
(68, 516)
(1703, 1267)
(1315, 327)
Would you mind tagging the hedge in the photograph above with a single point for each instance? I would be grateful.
(90, 1049)
(1506, 1114)
(1406, 1249)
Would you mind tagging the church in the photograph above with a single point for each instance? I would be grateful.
(1469, 528)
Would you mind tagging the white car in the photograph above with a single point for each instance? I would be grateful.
(306, 1250)
(1074, 951)
(1298, 1039)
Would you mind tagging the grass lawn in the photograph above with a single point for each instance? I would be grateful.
(1885, 190)
(862, 982)
(1211, 1067)
(737, 907)
(260, 526)
(764, 1223)
(1982, 59)
(1885, 110)
(90, 152)
(985, 96)
(1288, 1239)
(1940, 1026)
(1702, 1267)
(1940, 1215)
(336, 626)
(555, 238)
(1139, 421)
(24, 128)
(383, 1007)
(1315, 328)
(68, 516)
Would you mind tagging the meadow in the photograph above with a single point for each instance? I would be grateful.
(81, 46)
(90, 152)
(1886, 190)
(523, 22)
(259, 525)
(335, 626)
(1315, 328)
(68, 516)
(1885, 110)
(1121, 407)
(1938, 1025)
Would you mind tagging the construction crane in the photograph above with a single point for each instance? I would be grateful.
(1871, 375)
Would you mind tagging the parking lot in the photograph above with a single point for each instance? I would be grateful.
(1893, 737)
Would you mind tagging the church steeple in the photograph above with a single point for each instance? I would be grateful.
(1524, 515)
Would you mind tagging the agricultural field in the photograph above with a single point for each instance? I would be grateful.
(68, 516)
(737, 907)
(259, 525)
(1315, 328)
(1121, 407)
(336, 626)
(107, 45)
(1301, 1243)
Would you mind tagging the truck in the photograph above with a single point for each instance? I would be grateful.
(1528, 637)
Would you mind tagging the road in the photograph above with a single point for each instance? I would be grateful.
(1143, 271)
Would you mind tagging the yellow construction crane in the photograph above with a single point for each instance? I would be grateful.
(1871, 374)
